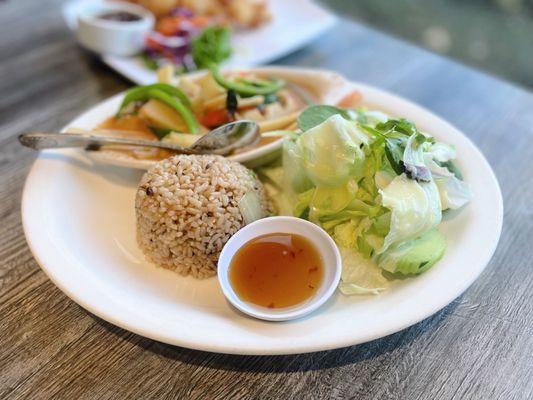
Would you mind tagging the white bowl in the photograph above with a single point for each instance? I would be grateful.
(112, 37)
(324, 244)
(327, 86)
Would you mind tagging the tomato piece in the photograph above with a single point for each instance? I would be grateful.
(214, 118)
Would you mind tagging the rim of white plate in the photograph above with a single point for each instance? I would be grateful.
(492, 200)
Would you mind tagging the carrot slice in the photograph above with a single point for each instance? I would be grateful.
(351, 100)
(168, 26)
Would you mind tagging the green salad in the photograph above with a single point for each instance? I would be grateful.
(376, 184)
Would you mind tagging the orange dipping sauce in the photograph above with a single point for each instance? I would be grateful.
(276, 270)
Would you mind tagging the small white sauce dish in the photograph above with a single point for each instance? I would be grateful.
(105, 36)
(324, 244)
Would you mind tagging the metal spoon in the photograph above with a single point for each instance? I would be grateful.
(221, 140)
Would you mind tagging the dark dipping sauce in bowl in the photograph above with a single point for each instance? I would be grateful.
(276, 270)
(119, 16)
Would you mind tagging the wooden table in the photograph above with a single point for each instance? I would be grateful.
(480, 346)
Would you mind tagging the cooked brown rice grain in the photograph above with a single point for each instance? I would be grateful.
(187, 209)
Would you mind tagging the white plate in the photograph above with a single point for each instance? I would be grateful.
(80, 225)
(294, 24)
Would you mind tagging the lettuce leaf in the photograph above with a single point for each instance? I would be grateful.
(415, 208)
(413, 159)
(328, 201)
(272, 177)
(301, 209)
(331, 152)
(370, 117)
(442, 152)
(317, 114)
(360, 275)
(295, 177)
(454, 193)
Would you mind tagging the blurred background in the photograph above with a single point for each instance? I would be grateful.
(493, 35)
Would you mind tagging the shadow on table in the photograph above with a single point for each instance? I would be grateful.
(289, 363)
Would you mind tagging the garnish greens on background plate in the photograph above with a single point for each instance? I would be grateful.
(211, 46)
(193, 35)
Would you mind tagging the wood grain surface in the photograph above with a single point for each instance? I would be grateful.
(479, 347)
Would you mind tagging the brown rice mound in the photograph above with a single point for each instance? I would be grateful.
(187, 209)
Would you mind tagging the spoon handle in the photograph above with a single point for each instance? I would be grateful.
(42, 140)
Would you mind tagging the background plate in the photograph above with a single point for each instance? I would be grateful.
(79, 221)
(294, 24)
